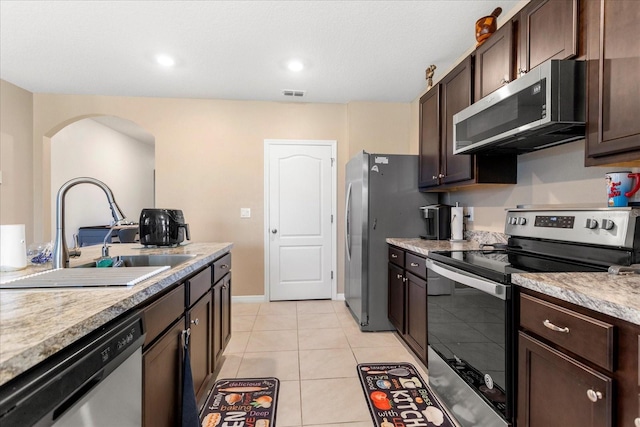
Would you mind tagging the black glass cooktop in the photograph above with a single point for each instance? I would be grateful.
(498, 265)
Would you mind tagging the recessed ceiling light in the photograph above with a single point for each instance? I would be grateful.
(165, 60)
(295, 66)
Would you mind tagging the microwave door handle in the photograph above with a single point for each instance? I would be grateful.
(497, 289)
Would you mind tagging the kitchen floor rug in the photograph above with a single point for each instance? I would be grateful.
(242, 402)
(398, 396)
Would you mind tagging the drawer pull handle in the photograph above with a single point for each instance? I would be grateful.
(554, 327)
(594, 396)
(394, 256)
(415, 264)
(196, 321)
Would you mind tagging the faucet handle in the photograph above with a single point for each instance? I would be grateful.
(75, 251)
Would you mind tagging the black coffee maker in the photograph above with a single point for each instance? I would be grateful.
(438, 222)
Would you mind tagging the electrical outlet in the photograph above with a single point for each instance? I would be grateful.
(469, 214)
(245, 212)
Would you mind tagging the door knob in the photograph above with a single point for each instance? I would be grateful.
(274, 231)
(594, 396)
(196, 321)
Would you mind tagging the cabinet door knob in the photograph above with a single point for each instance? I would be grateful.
(636, 422)
(394, 256)
(441, 175)
(404, 279)
(415, 264)
(196, 321)
(398, 276)
(553, 327)
(224, 266)
(593, 395)
(434, 177)
(504, 81)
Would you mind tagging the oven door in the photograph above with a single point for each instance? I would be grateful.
(470, 325)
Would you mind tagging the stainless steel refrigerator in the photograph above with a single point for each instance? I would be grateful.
(382, 201)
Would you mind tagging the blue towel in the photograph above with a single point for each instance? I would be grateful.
(190, 416)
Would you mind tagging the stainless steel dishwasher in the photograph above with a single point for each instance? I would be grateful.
(96, 381)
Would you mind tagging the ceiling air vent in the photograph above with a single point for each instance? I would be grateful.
(294, 93)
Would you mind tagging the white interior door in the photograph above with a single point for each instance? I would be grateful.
(300, 204)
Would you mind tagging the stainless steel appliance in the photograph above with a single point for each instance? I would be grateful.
(163, 227)
(545, 107)
(437, 221)
(96, 381)
(472, 325)
(382, 200)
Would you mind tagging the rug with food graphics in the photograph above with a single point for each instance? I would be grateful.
(398, 396)
(242, 402)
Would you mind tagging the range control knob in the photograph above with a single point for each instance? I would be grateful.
(607, 224)
(522, 220)
(591, 223)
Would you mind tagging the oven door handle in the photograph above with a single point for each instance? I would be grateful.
(493, 288)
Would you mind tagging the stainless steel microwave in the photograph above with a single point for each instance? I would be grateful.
(544, 107)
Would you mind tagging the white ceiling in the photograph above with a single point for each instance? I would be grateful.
(352, 50)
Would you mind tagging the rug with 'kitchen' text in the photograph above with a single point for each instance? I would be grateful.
(398, 396)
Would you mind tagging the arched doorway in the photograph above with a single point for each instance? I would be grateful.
(114, 150)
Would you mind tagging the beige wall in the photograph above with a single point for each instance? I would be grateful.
(16, 157)
(209, 161)
(378, 127)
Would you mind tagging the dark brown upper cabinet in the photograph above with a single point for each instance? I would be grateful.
(613, 82)
(440, 169)
(495, 62)
(548, 29)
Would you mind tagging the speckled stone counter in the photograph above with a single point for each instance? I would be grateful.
(473, 240)
(616, 296)
(36, 323)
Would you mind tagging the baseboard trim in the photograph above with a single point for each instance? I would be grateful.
(263, 298)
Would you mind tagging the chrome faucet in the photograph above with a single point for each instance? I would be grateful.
(60, 249)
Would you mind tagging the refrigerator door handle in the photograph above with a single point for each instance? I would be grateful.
(347, 226)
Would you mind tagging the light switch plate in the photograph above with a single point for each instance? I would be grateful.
(245, 212)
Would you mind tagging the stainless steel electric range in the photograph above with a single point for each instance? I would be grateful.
(472, 315)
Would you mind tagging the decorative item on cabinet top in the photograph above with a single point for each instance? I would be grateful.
(487, 25)
(429, 74)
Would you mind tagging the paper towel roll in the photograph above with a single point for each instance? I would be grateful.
(13, 250)
(456, 223)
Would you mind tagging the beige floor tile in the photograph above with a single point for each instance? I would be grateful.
(373, 339)
(318, 321)
(357, 424)
(245, 309)
(333, 401)
(278, 308)
(316, 339)
(260, 341)
(238, 342)
(273, 322)
(242, 323)
(289, 412)
(383, 355)
(230, 365)
(339, 306)
(309, 307)
(280, 364)
(346, 319)
(334, 363)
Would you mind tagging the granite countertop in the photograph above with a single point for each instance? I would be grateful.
(27, 334)
(616, 296)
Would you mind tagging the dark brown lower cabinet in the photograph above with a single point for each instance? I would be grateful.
(200, 318)
(222, 317)
(396, 298)
(161, 379)
(556, 390)
(416, 315)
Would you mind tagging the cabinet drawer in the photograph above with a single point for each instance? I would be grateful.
(159, 315)
(589, 338)
(221, 267)
(396, 256)
(199, 285)
(416, 265)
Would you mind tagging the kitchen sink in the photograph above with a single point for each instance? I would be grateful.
(172, 260)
